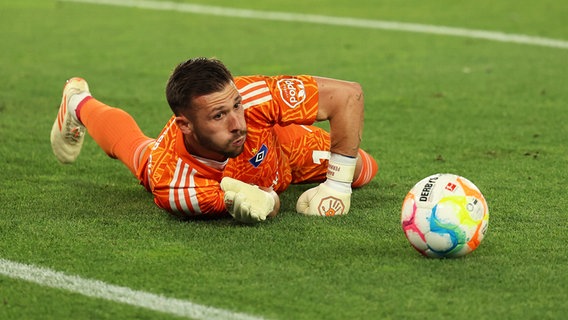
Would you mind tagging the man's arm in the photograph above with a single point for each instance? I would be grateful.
(342, 104)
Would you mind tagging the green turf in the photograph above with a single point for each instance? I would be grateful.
(492, 112)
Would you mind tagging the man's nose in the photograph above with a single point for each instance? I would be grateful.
(237, 122)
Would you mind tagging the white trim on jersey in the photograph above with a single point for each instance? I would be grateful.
(173, 183)
(183, 178)
(249, 86)
(256, 102)
(193, 194)
(253, 93)
(257, 89)
(180, 189)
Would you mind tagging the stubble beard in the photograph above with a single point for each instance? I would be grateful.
(228, 150)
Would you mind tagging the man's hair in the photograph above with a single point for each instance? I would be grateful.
(193, 78)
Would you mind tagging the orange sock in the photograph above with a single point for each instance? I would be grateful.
(114, 130)
(368, 171)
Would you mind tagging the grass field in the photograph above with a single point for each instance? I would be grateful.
(492, 111)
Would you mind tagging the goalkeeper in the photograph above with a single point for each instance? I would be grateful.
(233, 143)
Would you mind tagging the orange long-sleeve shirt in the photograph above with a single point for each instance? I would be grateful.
(186, 185)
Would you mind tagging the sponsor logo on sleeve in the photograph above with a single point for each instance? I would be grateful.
(292, 91)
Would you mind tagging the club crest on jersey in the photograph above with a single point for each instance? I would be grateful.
(292, 91)
(257, 159)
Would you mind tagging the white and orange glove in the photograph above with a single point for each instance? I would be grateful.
(246, 202)
(333, 196)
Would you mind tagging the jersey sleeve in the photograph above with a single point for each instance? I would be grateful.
(283, 100)
(199, 197)
(180, 183)
(271, 102)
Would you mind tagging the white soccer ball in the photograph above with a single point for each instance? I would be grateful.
(444, 215)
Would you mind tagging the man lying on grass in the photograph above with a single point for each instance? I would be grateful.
(233, 143)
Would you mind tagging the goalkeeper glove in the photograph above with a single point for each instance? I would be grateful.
(245, 202)
(332, 197)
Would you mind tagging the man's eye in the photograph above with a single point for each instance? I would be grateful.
(237, 105)
(219, 115)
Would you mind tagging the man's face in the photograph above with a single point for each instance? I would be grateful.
(216, 128)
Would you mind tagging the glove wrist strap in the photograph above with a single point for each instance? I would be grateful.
(341, 168)
(342, 187)
(340, 172)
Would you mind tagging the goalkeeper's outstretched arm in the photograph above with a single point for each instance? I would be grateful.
(342, 104)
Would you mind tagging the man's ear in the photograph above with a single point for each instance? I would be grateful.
(184, 124)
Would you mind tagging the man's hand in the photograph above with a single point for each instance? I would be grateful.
(323, 201)
(332, 197)
(247, 203)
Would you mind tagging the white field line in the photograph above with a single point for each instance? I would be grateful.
(98, 289)
(336, 21)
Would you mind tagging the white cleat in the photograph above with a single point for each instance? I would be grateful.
(67, 133)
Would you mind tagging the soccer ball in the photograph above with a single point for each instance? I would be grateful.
(444, 216)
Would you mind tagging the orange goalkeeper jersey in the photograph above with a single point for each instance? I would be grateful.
(186, 185)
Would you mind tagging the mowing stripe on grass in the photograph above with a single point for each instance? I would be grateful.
(98, 289)
(336, 21)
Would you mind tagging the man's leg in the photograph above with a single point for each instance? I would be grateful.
(366, 169)
(114, 130)
(307, 149)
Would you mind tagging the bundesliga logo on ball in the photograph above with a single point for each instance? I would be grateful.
(444, 216)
